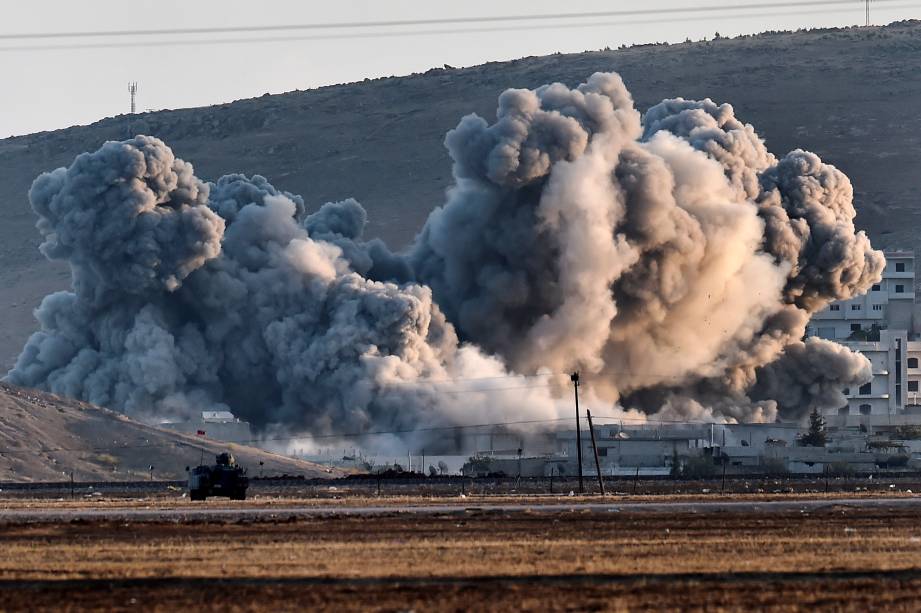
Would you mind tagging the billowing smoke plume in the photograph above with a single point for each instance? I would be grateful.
(670, 258)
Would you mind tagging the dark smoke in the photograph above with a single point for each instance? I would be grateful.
(671, 258)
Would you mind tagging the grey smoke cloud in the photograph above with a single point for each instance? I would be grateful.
(669, 257)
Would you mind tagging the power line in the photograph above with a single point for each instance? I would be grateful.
(692, 422)
(460, 379)
(352, 435)
(358, 35)
(498, 389)
(380, 35)
(429, 22)
(284, 438)
(345, 435)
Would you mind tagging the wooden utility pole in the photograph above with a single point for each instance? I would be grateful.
(591, 431)
(574, 377)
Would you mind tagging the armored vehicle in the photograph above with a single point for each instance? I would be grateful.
(223, 478)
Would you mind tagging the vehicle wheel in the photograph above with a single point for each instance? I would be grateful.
(196, 496)
(238, 495)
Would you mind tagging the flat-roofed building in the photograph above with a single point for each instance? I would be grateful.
(881, 325)
(888, 305)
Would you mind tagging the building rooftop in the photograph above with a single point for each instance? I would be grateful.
(217, 416)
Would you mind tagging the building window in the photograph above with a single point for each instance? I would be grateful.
(865, 390)
(912, 362)
(877, 307)
(900, 266)
(876, 287)
(835, 307)
(602, 452)
(855, 307)
(865, 409)
(899, 289)
(846, 391)
(855, 327)
(912, 386)
(845, 410)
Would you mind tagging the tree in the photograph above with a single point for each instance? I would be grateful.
(477, 465)
(675, 471)
(815, 437)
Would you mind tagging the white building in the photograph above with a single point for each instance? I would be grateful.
(888, 305)
(880, 324)
(654, 446)
(216, 425)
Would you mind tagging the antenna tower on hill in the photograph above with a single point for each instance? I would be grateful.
(133, 90)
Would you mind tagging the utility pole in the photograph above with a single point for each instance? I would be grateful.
(574, 377)
(867, 3)
(591, 430)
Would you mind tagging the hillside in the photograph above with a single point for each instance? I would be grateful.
(44, 437)
(850, 95)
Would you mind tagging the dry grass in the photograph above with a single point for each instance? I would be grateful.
(172, 498)
(836, 557)
(471, 545)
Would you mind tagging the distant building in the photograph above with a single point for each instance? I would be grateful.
(882, 325)
(651, 449)
(216, 425)
(888, 305)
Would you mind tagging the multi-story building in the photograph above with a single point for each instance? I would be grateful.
(881, 325)
(913, 377)
(888, 305)
(885, 393)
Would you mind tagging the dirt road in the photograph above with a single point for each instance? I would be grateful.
(221, 510)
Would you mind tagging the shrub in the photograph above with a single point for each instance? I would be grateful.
(699, 467)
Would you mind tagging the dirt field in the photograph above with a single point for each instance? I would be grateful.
(836, 557)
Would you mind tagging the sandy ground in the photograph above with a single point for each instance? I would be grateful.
(836, 556)
(45, 437)
(271, 508)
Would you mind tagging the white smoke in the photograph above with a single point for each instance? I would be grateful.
(671, 258)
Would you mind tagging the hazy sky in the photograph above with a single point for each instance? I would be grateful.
(43, 89)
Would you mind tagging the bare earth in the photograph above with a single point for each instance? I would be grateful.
(45, 437)
(830, 557)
